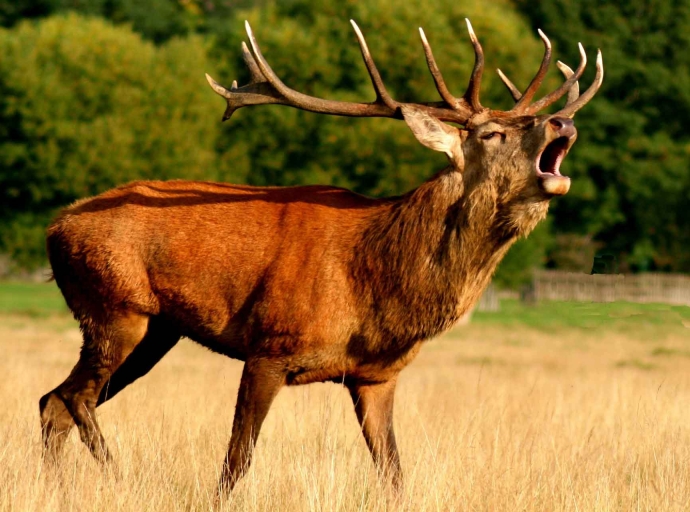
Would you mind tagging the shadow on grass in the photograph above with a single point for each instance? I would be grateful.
(636, 364)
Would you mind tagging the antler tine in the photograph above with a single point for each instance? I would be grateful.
(538, 78)
(551, 98)
(252, 94)
(254, 71)
(574, 92)
(217, 87)
(267, 72)
(569, 110)
(381, 92)
(514, 91)
(472, 93)
(451, 100)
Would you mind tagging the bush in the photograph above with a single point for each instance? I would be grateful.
(85, 106)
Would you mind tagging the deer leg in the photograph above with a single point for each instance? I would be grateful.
(260, 383)
(105, 347)
(56, 423)
(159, 339)
(374, 408)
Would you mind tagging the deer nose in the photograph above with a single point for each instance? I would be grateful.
(563, 126)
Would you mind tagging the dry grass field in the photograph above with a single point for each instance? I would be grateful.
(563, 407)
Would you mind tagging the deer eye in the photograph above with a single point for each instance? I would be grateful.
(493, 135)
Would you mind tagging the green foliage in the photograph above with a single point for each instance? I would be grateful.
(13, 11)
(170, 19)
(155, 20)
(630, 167)
(85, 106)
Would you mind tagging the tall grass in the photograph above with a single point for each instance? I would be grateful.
(493, 416)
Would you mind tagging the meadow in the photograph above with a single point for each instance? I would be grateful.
(558, 406)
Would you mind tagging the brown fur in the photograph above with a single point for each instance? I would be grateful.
(304, 284)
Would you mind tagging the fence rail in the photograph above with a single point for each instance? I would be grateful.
(649, 287)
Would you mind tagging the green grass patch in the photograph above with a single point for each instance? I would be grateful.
(32, 299)
(549, 315)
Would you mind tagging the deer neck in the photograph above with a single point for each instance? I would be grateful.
(428, 257)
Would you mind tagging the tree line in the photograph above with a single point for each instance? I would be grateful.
(95, 93)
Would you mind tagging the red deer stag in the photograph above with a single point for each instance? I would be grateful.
(306, 284)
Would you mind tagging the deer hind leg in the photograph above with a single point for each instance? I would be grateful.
(261, 380)
(160, 338)
(56, 423)
(374, 408)
(106, 346)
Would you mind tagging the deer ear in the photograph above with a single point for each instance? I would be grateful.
(435, 134)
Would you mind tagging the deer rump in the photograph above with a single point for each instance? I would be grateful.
(306, 284)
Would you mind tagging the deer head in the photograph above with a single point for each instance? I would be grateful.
(518, 151)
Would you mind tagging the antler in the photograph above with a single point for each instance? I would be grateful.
(266, 88)
(574, 92)
(571, 86)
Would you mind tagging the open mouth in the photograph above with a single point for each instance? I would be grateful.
(549, 161)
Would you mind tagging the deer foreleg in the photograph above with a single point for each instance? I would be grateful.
(260, 383)
(374, 408)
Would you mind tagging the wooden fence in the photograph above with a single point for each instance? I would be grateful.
(489, 300)
(649, 287)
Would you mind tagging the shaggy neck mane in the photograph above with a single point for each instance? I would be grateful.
(426, 259)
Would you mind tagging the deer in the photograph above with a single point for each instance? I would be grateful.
(306, 284)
